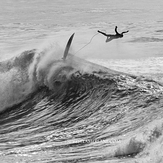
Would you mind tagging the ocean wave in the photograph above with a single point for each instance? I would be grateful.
(22, 75)
(56, 105)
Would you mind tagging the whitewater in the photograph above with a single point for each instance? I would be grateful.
(103, 103)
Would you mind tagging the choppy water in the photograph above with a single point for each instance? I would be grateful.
(77, 111)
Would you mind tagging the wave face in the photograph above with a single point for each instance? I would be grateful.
(76, 111)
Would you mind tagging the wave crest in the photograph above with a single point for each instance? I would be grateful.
(24, 74)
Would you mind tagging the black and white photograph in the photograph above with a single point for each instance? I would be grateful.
(81, 81)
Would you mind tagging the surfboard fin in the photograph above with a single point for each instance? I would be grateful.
(68, 47)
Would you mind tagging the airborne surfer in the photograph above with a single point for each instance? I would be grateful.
(113, 36)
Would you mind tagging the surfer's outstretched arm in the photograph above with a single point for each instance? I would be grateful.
(125, 32)
(102, 33)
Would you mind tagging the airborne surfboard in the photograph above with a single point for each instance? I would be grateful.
(68, 46)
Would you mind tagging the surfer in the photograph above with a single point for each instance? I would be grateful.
(113, 36)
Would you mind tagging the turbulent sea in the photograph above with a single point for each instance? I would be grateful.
(103, 104)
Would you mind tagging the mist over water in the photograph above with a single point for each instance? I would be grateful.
(77, 111)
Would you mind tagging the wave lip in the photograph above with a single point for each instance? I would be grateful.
(24, 74)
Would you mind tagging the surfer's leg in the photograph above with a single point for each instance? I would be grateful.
(102, 33)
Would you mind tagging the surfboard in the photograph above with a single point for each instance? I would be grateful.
(68, 46)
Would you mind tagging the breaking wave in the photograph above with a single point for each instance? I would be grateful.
(76, 111)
